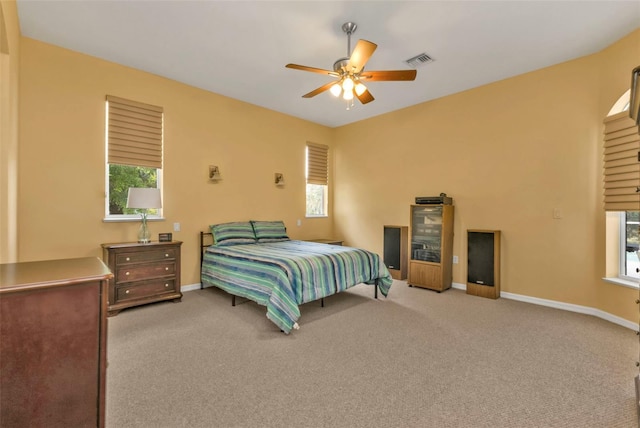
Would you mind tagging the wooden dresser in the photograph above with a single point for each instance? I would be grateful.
(53, 342)
(143, 273)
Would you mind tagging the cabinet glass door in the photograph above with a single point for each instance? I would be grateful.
(426, 233)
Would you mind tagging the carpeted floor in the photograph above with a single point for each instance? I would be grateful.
(414, 359)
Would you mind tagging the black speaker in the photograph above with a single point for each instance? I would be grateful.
(483, 263)
(395, 250)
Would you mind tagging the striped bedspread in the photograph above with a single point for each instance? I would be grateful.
(283, 275)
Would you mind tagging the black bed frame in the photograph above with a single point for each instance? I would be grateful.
(206, 239)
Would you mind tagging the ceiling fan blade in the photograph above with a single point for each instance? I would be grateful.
(388, 75)
(319, 90)
(360, 55)
(365, 97)
(312, 69)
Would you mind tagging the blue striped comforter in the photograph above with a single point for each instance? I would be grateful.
(284, 275)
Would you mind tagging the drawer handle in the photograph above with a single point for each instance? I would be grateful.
(126, 273)
(166, 268)
(127, 292)
(166, 285)
(128, 258)
(166, 254)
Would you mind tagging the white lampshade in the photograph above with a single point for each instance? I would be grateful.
(144, 198)
(335, 90)
(348, 95)
(347, 85)
(360, 88)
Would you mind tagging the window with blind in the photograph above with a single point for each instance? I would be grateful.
(621, 182)
(134, 139)
(621, 166)
(317, 174)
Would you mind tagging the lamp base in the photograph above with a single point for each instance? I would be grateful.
(144, 236)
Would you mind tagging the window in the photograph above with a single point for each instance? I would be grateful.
(317, 173)
(134, 137)
(630, 262)
(621, 199)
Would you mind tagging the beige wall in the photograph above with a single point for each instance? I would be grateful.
(509, 153)
(9, 62)
(62, 158)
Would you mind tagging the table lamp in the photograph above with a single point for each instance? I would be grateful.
(143, 199)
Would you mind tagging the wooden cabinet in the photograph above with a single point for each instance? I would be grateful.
(53, 341)
(143, 273)
(431, 246)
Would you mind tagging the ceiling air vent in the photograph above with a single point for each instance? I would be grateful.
(419, 60)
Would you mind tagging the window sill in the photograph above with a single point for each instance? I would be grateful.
(623, 282)
(130, 219)
(317, 216)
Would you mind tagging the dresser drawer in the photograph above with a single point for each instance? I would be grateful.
(145, 289)
(145, 271)
(145, 256)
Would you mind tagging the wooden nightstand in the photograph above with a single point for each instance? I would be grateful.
(143, 273)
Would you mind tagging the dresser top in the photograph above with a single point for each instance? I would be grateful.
(139, 245)
(51, 273)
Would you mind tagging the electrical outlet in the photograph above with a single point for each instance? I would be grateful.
(557, 213)
(455, 260)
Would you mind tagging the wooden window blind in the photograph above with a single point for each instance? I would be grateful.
(621, 166)
(134, 133)
(317, 164)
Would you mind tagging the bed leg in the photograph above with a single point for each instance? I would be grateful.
(233, 300)
(375, 286)
(322, 302)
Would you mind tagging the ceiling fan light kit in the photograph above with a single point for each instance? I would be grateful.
(350, 72)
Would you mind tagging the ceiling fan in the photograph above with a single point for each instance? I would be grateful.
(350, 72)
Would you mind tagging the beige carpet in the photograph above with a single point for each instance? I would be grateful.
(414, 359)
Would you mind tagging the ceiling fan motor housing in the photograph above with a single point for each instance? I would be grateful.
(341, 65)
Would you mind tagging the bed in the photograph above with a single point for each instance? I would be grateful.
(257, 260)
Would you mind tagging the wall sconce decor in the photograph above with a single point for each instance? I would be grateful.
(214, 173)
(279, 179)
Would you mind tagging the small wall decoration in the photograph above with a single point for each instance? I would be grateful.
(279, 179)
(214, 173)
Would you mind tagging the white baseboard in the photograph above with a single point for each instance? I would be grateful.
(459, 286)
(190, 287)
(527, 299)
(564, 306)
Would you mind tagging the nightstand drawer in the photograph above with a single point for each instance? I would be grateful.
(145, 271)
(146, 256)
(145, 289)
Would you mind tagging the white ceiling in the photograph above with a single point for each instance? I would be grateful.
(239, 48)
